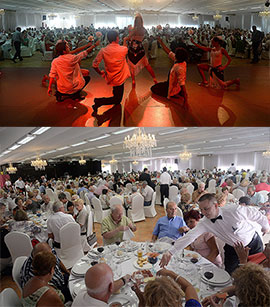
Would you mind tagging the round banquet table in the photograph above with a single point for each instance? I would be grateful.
(180, 264)
(40, 221)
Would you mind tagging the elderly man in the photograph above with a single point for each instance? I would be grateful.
(114, 225)
(99, 286)
(5, 199)
(231, 224)
(46, 204)
(171, 226)
(198, 193)
(147, 193)
(134, 191)
(63, 198)
(56, 221)
(256, 198)
(60, 276)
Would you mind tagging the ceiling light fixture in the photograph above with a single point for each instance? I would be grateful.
(15, 146)
(123, 130)
(185, 155)
(172, 131)
(140, 144)
(135, 162)
(217, 16)
(195, 17)
(79, 144)
(113, 161)
(27, 139)
(41, 130)
(266, 154)
(82, 161)
(39, 164)
(106, 145)
(99, 138)
(11, 169)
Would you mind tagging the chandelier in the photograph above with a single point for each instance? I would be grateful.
(113, 161)
(135, 3)
(2, 12)
(11, 169)
(39, 164)
(266, 154)
(185, 155)
(103, 165)
(135, 162)
(217, 16)
(140, 144)
(82, 161)
(195, 17)
(265, 13)
(52, 16)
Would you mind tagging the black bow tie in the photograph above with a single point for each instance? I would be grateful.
(217, 218)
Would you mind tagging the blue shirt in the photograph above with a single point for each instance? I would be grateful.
(257, 198)
(81, 189)
(169, 227)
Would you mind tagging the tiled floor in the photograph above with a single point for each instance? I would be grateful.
(143, 233)
(24, 102)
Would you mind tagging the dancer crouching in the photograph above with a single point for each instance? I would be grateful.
(216, 69)
(174, 88)
(66, 70)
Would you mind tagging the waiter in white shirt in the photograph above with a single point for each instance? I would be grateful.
(165, 181)
(19, 184)
(230, 224)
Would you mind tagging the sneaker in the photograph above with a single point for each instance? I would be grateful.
(13, 60)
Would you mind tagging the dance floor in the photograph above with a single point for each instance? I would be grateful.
(24, 101)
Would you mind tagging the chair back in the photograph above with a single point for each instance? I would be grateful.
(150, 211)
(90, 224)
(212, 186)
(173, 191)
(190, 188)
(137, 211)
(238, 178)
(264, 194)
(128, 187)
(82, 196)
(97, 209)
(115, 201)
(19, 244)
(165, 201)
(16, 270)
(68, 195)
(51, 194)
(87, 202)
(70, 240)
(237, 193)
(179, 212)
(9, 298)
(158, 196)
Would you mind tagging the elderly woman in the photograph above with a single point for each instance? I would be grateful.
(105, 199)
(221, 199)
(37, 291)
(168, 289)
(22, 224)
(82, 219)
(251, 285)
(32, 203)
(205, 244)
(242, 186)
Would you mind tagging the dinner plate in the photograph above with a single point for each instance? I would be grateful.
(146, 266)
(129, 246)
(78, 287)
(123, 299)
(191, 254)
(120, 256)
(160, 247)
(80, 268)
(221, 277)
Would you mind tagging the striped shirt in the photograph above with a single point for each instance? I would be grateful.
(27, 272)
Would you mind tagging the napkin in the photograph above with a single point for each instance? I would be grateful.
(128, 234)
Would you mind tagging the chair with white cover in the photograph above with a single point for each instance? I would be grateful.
(150, 211)
(19, 244)
(179, 212)
(82, 196)
(264, 194)
(70, 240)
(116, 201)
(190, 188)
(212, 186)
(16, 270)
(238, 179)
(68, 195)
(165, 201)
(136, 213)
(47, 55)
(128, 187)
(158, 195)
(88, 204)
(51, 195)
(173, 191)
(99, 213)
(9, 298)
(90, 227)
(237, 193)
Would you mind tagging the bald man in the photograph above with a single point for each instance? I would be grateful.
(99, 286)
(60, 276)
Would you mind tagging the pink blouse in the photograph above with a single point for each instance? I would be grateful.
(200, 246)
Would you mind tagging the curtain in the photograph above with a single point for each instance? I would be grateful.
(210, 161)
(10, 22)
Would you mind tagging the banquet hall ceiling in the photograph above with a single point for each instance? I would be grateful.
(161, 6)
(56, 143)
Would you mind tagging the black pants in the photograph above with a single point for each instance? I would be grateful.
(76, 94)
(164, 192)
(231, 260)
(118, 92)
(65, 290)
(255, 47)
(17, 46)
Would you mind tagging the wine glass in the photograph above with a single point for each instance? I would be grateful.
(208, 274)
(153, 261)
